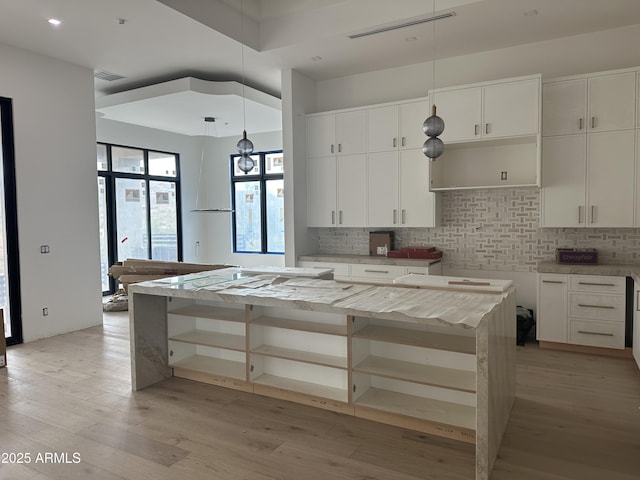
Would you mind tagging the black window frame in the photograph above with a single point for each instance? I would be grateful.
(263, 178)
(110, 177)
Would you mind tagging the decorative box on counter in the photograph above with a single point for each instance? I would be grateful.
(577, 255)
(380, 243)
(428, 253)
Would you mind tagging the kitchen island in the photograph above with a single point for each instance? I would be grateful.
(435, 361)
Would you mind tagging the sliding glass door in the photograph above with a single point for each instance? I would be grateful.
(9, 265)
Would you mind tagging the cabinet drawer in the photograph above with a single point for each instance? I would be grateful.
(380, 272)
(593, 283)
(418, 270)
(340, 270)
(596, 334)
(597, 307)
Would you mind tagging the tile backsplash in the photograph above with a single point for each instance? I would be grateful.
(493, 229)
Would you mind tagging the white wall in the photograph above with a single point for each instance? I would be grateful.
(605, 50)
(57, 201)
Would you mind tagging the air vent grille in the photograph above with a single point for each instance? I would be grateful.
(107, 76)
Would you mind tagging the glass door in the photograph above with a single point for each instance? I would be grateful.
(9, 266)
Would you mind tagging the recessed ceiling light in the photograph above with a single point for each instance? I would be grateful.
(530, 13)
(54, 21)
(317, 58)
(410, 39)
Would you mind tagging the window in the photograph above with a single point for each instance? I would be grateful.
(138, 195)
(258, 204)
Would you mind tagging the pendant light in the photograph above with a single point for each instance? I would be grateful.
(433, 125)
(207, 121)
(245, 146)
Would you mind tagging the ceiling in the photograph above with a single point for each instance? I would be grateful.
(150, 42)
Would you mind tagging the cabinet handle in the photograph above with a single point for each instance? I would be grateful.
(579, 213)
(395, 142)
(486, 129)
(593, 122)
(596, 306)
(395, 216)
(552, 281)
(476, 127)
(332, 148)
(593, 214)
(597, 284)
(404, 216)
(404, 141)
(596, 333)
(340, 217)
(339, 147)
(376, 271)
(333, 217)
(580, 122)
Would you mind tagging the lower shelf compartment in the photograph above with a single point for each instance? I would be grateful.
(305, 388)
(213, 366)
(421, 408)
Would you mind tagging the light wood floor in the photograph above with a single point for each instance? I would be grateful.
(576, 417)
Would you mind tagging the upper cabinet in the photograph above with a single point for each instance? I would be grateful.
(491, 135)
(600, 103)
(341, 133)
(396, 127)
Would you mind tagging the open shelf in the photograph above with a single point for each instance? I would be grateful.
(212, 365)
(214, 313)
(419, 407)
(303, 326)
(451, 378)
(306, 388)
(212, 339)
(418, 338)
(301, 356)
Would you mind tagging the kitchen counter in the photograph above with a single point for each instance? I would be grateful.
(607, 269)
(367, 259)
(473, 334)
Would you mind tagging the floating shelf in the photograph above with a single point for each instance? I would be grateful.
(301, 356)
(451, 378)
(418, 338)
(214, 313)
(212, 365)
(303, 326)
(212, 339)
(306, 388)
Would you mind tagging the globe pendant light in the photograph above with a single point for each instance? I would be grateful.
(245, 146)
(433, 126)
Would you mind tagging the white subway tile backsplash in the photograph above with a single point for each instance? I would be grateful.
(493, 229)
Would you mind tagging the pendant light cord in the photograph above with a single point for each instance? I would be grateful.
(244, 108)
(433, 52)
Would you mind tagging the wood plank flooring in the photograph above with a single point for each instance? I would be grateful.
(576, 416)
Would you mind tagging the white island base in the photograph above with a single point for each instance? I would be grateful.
(436, 361)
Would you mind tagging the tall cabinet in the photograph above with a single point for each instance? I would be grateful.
(588, 153)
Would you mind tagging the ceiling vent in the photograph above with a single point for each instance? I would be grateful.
(107, 76)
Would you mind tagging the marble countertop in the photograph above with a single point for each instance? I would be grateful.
(370, 259)
(433, 307)
(609, 269)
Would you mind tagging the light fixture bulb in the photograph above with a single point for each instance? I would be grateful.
(245, 146)
(246, 163)
(54, 21)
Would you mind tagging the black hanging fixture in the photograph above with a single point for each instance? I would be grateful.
(245, 146)
(433, 126)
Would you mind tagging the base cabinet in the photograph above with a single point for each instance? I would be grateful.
(587, 310)
(372, 272)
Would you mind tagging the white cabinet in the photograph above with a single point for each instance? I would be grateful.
(372, 272)
(597, 103)
(582, 187)
(585, 310)
(552, 308)
(341, 133)
(393, 127)
(398, 185)
(636, 324)
(336, 191)
(492, 110)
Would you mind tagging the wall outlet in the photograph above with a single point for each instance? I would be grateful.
(44, 249)
(45, 311)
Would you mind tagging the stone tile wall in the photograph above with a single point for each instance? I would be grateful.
(493, 229)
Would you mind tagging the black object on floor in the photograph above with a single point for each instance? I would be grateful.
(525, 323)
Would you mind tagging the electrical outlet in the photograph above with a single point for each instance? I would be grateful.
(44, 249)
(45, 311)
(503, 175)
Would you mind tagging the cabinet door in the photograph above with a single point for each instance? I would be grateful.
(352, 191)
(351, 132)
(321, 192)
(461, 111)
(564, 107)
(612, 102)
(383, 189)
(563, 181)
(321, 135)
(511, 108)
(552, 324)
(412, 116)
(418, 207)
(611, 179)
(382, 129)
